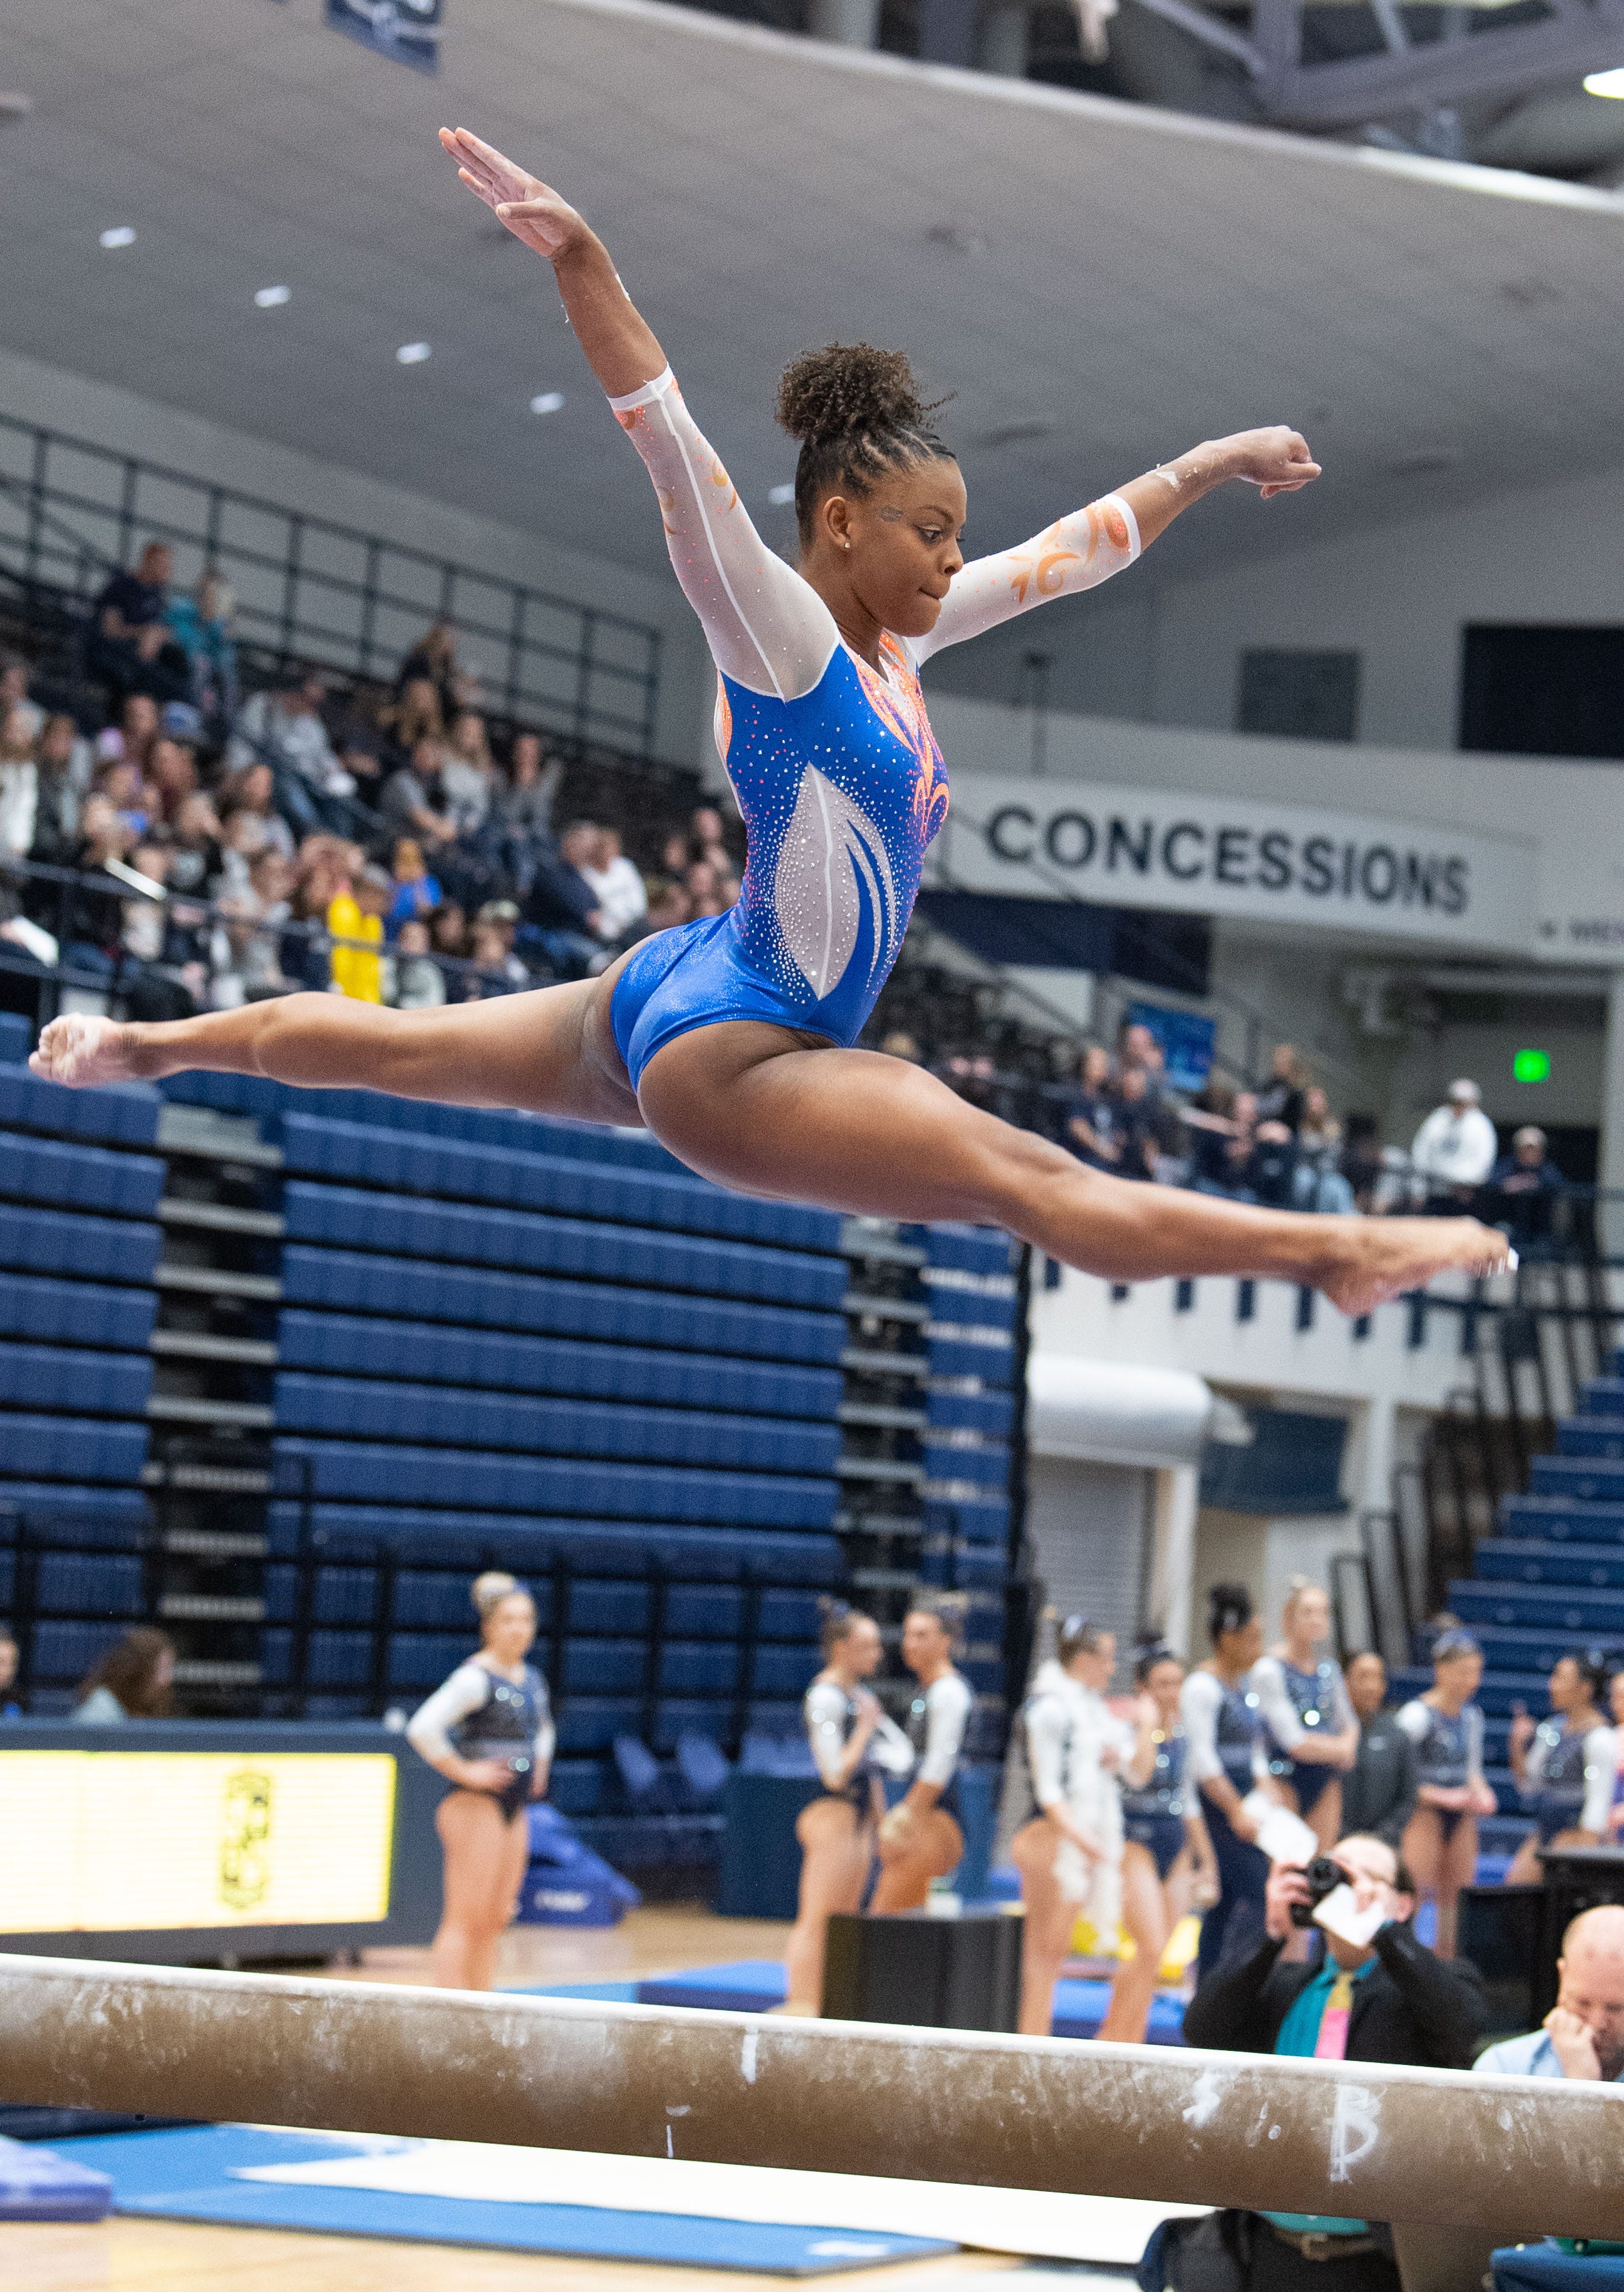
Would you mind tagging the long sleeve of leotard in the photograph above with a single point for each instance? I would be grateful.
(825, 1711)
(1268, 1684)
(766, 628)
(948, 1700)
(429, 1729)
(1074, 554)
(1048, 1727)
(1199, 1702)
(1601, 1774)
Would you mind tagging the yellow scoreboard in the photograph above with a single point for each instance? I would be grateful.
(119, 1842)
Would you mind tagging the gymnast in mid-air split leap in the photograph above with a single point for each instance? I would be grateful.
(731, 1037)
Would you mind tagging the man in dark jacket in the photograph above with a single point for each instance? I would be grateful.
(1386, 1998)
(1379, 1795)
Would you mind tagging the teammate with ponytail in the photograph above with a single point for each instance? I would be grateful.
(731, 1037)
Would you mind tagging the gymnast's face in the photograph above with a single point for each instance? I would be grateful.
(897, 547)
(926, 1646)
(858, 1654)
(510, 1628)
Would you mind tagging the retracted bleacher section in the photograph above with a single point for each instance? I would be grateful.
(79, 1189)
(1550, 1583)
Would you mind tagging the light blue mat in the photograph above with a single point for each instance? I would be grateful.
(186, 2175)
(756, 1985)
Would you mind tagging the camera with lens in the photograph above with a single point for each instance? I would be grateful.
(1321, 1877)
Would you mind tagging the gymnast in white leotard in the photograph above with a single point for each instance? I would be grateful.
(732, 1038)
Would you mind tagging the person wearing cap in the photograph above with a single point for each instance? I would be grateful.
(1454, 1149)
(1582, 2036)
(1526, 1183)
(1446, 1728)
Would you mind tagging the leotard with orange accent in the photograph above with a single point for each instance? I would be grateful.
(837, 774)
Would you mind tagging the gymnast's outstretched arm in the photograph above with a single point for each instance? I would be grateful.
(1080, 551)
(767, 628)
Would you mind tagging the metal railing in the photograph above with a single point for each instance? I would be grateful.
(310, 589)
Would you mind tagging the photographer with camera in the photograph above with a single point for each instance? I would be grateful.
(1372, 1993)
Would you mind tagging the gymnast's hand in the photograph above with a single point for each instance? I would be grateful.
(1278, 460)
(533, 212)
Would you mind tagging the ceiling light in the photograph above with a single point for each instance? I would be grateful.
(271, 298)
(412, 353)
(1605, 82)
(546, 401)
(121, 235)
(781, 497)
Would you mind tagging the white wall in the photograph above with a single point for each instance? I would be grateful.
(129, 423)
(1168, 652)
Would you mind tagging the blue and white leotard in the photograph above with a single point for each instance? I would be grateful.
(837, 774)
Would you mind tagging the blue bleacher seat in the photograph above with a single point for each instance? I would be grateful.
(465, 1538)
(124, 1115)
(84, 1519)
(576, 1786)
(420, 1660)
(64, 1652)
(957, 1348)
(88, 1584)
(704, 1611)
(369, 1408)
(788, 1615)
(642, 1786)
(608, 1608)
(1590, 1436)
(784, 1671)
(698, 1667)
(336, 1658)
(47, 1311)
(416, 1475)
(1508, 1559)
(352, 1345)
(424, 1599)
(978, 1520)
(78, 1177)
(604, 1667)
(1583, 1614)
(347, 1218)
(1579, 1477)
(94, 1248)
(68, 1377)
(589, 1723)
(84, 1448)
(987, 1413)
(16, 1038)
(1603, 1396)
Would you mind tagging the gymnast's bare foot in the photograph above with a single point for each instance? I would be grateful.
(1378, 1258)
(81, 1051)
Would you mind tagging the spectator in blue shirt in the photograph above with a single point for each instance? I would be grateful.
(132, 635)
(1582, 2036)
(1525, 1185)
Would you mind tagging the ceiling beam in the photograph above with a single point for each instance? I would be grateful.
(1509, 61)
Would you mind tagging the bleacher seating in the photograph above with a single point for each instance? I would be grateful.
(1550, 1582)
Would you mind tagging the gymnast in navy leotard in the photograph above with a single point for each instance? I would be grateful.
(731, 1038)
(1309, 1729)
(1167, 1856)
(1446, 1727)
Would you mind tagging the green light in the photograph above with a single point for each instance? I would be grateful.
(1530, 1066)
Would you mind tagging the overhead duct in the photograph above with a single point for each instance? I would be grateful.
(1115, 1412)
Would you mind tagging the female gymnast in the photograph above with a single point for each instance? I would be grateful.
(1451, 1791)
(1565, 1767)
(1069, 1851)
(853, 1743)
(1226, 1759)
(921, 1837)
(1311, 1734)
(732, 1036)
(1167, 1856)
(489, 1729)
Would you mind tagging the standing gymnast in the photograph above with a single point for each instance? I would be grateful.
(922, 1837)
(1227, 1761)
(1069, 1851)
(1565, 1767)
(1167, 1856)
(1309, 1731)
(853, 1743)
(732, 1036)
(1451, 1790)
(490, 1731)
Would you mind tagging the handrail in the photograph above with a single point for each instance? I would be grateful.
(1502, 2156)
(567, 674)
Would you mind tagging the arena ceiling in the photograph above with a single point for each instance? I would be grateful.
(1099, 284)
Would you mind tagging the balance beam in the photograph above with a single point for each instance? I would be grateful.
(1506, 2156)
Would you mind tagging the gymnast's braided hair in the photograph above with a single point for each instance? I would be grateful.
(858, 417)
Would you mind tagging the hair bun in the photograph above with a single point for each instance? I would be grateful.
(848, 387)
(489, 1590)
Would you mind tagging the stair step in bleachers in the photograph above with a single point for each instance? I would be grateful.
(1563, 1520)
(1540, 1610)
(1590, 1436)
(1520, 1560)
(1578, 1478)
(368, 1409)
(1603, 1396)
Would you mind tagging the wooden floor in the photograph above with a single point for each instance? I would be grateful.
(139, 2256)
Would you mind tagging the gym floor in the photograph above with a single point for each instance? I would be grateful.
(152, 2256)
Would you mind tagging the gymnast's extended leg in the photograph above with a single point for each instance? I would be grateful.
(550, 1050)
(747, 1105)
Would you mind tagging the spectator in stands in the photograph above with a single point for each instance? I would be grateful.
(668, 904)
(15, 693)
(202, 625)
(1378, 1793)
(1364, 1164)
(197, 851)
(1281, 1098)
(413, 801)
(355, 913)
(414, 714)
(899, 1043)
(254, 789)
(1093, 1125)
(524, 810)
(1320, 1185)
(432, 661)
(413, 980)
(133, 1681)
(1387, 1999)
(490, 945)
(1269, 1175)
(172, 776)
(1566, 1768)
(284, 730)
(19, 785)
(133, 645)
(488, 1729)
(59, 756)
(708, 838)
(1526, 1183)
(1210, 1119)
(416, 892)
(1582, 2036)
(1454, 1151)
(449, 931)
(132, 737)
(622, 901)
(562, 907)
(709, 892)
(10, 1708)
(467, 776)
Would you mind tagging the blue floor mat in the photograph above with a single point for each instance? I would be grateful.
(755, 1985)
(186, 2176)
